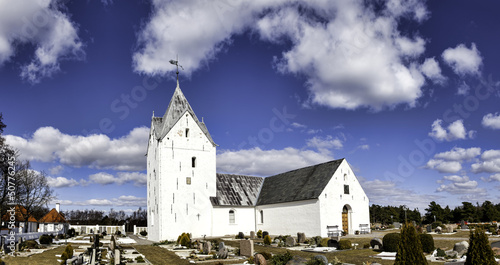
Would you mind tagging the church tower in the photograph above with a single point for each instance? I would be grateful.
(181, 175)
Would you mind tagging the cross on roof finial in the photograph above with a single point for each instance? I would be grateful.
(176, 63)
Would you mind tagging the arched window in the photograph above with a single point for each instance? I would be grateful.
(193, 161)
(261, 216)
(187, 132)
(231, 217)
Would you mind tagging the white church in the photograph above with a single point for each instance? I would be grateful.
(186, 194)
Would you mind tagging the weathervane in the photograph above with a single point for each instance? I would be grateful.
(176, 63)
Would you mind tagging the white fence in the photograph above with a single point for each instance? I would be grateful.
(98, 229)
(138, 229)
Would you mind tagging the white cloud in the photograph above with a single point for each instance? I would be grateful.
(103, 178)
(491, 121)
(459, 154)
(455, 131)
(463, 89)
(465, 188)
(364, 147)
(351, 55)
(267, 162)
(490, 154)
(430, 68)
(463, 60)
(490, 162)
(298, 125)
(42, 24)
(444, 166)
(388, 193)
(495, 177)
(48, 144)
(56, 170)
(122, 201)
(458, 179)
(325, 144)
(61, 182)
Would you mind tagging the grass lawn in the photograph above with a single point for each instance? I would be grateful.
(46, 258)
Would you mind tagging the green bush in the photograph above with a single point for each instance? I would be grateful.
(29, 244)
(409, 247)
(315, 262)
(67, 254)
(344, 244)
(259, 234)
(436, 224)
(316, 240)
(267, 255)
(427, 242)
(391, 241)
(479, 251)
(324, 242)
(71, 232)
(143, 233)
(440, 253)
(45, 239)
(185, 240)
(140, 259)
(281, 259)
(267, 240)
(366, 245)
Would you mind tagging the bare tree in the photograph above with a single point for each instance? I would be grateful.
(8, 166)
(33, 191)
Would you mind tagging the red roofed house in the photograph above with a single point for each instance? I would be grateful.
(19, 220)
(53, 221)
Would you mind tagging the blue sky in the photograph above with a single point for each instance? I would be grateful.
(406, 91)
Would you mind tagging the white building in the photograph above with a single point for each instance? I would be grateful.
(185, 194)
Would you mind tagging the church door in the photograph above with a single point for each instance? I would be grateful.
(345, 219)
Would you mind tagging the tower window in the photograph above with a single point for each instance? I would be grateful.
(188, 180)
(187, 132)
(261, 216)
(346, 189)
(193, 161)
(231, 217)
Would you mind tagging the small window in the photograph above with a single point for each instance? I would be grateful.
(346, 189)
(193, 161)
(231, 217)
(188, 180)
(261, 216)
(187, 132)
(345, 177)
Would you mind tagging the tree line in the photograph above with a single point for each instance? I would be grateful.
(468, 212)
(93, 217)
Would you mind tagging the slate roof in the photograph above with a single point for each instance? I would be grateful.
(177, 107)
(53, 217)
(236, 190)
(20, 213)
(296, 185)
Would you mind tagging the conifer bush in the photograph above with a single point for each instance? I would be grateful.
(479, 251)
(390, 242)
(67, 254)
(267, 240)
(409, 247)
(344, 244)
(427, 243)
(259, 234)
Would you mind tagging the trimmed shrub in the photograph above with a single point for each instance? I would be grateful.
(142, 233)
(366, 245)
(67, 254)
(316, 240)
(479, 251)
(240, 235)
(71, 232)
(440, 253)
(281, 259)
(45, 239)
(427, 242)
(324, 242)
(409, 247)
(259, 234)
(391, 241)
(29, 244)
(266, 255)
(185, 240)
(267, 240)
(345, 244)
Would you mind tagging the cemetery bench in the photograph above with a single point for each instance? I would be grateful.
(364, 228)
(333, 231)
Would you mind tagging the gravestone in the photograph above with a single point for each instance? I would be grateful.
(260, 260)
(438, 230)
(461, 247)
(252, 234)
(241, 235)
(112, 244)
(449, 229)
(495, 244)
(332, 243)
(246, 248)
(118, 259)
(264, 234)
(376, 243)
(429, 229)
(321, 258)
(301, 237)
(297, 260)
(277, 240)
(207, 247)
(290, 241)
(223, 251)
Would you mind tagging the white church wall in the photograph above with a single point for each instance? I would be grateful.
(289, 218)
(225, 224)
(333, 199)
(152, 187)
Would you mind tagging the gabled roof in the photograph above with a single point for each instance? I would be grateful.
(53, 217)
(300, 184)
(236, 190)
(20, 213)
(177, 107)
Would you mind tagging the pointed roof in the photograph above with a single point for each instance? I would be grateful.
(53, 217)
(176, 108)
(20, 213)
(296, 185)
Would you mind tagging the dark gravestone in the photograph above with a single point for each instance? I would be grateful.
(301, 237)
(429, 229)
(241, 235)
(321, 258)
(222, 253)
(290, 241)
(265, 233)
(495, 244)
(332, 243)
(207, 247)
(376, 243)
